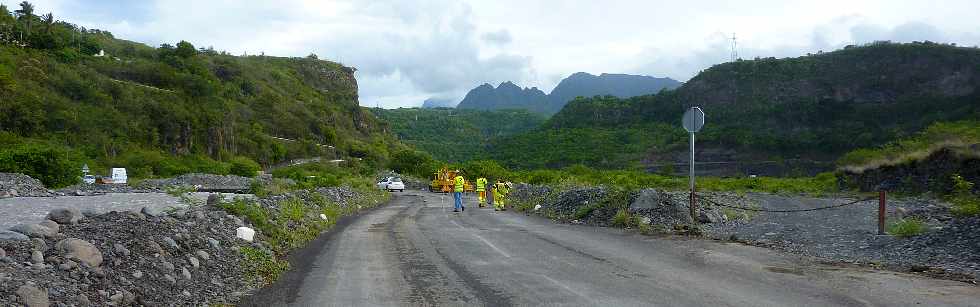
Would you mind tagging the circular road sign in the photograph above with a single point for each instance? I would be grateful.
(693, 119)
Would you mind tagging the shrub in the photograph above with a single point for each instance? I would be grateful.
(51, 165)
(966, 206)
(963, 201)
(244, 167)
(906, 228)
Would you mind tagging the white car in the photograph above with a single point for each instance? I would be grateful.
(392, 184)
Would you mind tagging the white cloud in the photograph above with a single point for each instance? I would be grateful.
(501, 37)
(406, 51)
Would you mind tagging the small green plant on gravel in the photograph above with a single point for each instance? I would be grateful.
(963, 201)
(277, 186)
(647, 229)
(292, 209)
(584, 211)
(907, 227)
(180, 190)
(261, 266)
(622, 218)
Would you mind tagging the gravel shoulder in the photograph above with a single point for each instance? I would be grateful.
(843, 235)
(849, 234)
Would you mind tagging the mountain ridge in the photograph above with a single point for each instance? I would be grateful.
(814, 107)
(508, 95)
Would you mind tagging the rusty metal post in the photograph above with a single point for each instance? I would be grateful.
(694, 217)
(881, 212)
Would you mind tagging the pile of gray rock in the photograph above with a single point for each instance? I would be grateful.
(200, 181)
(20, 185)
(343, 197)
(101, 189)
(153, 258)
(656, 207)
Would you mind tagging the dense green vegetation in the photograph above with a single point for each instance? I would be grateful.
(812, 107)
(173, 109)
(456, 135)
(958, 133)
(580, 175)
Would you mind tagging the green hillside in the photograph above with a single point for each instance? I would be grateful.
(456, 134)
(172, 109)
(812, 107)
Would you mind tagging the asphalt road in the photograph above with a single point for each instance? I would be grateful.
(415, 252)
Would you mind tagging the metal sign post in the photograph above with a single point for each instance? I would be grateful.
(693, 121)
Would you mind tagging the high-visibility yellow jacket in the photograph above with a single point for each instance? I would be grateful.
(459, 182)
(502, 189)
(481, 184)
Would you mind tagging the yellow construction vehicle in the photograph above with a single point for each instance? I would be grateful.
(442, 181)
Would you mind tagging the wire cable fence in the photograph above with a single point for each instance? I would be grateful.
(710, 201)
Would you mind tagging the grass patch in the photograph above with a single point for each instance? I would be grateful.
(261, 266)
(584, 211)
(625, 219)
(178, 191)
(906, 228)
(277, 186)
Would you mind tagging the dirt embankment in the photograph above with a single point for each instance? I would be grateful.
(932, 173)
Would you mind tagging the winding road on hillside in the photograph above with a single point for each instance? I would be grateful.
(416, 252)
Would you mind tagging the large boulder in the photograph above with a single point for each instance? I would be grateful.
(35, 230)
(7, 235)
(153, 212)
(710, 216)
(647, 199)
(32, 296)
(65, 215)
(661, 206)
(81, 250)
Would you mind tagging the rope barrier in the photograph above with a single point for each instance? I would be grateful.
(785, 211)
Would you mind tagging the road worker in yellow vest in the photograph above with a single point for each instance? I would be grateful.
(458, 184)
(500, 190)
(481, 190)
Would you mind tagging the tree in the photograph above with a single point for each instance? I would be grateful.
(185, 49)
(411, 162)
(48, 21)
(26, 12)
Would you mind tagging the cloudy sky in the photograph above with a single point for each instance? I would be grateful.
(408, 51)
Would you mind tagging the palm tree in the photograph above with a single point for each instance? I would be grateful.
(48, 21)
(26, 11)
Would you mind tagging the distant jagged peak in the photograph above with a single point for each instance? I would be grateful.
(508, 84)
